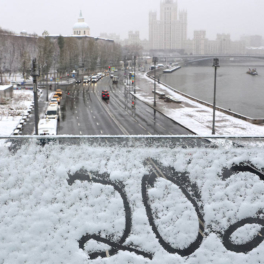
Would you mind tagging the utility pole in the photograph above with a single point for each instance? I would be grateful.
(47, 86)
(134, 74)
(155, 59)
(216, 65)
(35, 74)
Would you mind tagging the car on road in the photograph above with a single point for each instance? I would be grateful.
(78, 81)
(59, 92)
(47, 127)
(105, 95)
(94, 78)
(57, 97)
(53, 112)
(86, 79)
(115, 79)
(53, 101)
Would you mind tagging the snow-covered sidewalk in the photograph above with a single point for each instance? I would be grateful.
(194, 116)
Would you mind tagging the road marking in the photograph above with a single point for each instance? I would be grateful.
(149, 133)
(90, 175)
(170, 133)
(76, 112)
(93, 116)
(101, 131)
(97, 124)
(78, 124)
(161, 126)
(143, 127)
(81, 132)
(200, 231)
(201, 222)
(77, 117)
(157, 169)
(107, 253)
(260, 234)
(91, 111)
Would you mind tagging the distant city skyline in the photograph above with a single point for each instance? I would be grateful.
(236, 17)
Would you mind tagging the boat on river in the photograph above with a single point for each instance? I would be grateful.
(252, 72)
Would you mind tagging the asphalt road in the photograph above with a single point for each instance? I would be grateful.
(83, 112)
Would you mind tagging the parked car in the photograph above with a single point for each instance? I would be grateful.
(78, 81)
(105, 95)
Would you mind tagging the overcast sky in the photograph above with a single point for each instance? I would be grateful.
(236, 17)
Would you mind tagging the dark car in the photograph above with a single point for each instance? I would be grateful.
(78, 81)
(105, 95)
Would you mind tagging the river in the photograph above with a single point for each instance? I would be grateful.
(235, 90)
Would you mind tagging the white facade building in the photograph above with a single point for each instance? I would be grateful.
(81, 28)
(170, 32)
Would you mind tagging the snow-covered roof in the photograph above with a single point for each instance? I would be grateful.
(4, 87)
(80, 25)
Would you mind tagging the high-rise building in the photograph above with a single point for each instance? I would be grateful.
(170, 32)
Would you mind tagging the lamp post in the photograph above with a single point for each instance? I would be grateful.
(35, 74)
(155, 60)
(134, 74)
(216, 65)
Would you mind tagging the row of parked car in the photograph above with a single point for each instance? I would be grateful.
(49, 125)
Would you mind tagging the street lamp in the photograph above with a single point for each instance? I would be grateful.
(216, 65)
(155, 60)
(35, 74)
(134, 74)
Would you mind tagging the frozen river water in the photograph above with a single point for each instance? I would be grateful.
(235, 90)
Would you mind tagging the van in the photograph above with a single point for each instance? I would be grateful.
(47, 127)
(94, 78)
(53, 112)
(86, 79)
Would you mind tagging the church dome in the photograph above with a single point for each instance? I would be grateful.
(81, 28)
(80, 25)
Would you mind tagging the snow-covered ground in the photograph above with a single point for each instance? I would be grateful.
(12, 113)
(44, 212)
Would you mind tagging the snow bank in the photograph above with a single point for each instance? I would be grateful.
(43, 215)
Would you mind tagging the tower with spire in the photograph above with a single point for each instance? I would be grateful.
(81, 28)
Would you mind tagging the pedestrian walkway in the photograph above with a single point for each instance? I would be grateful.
(192, 115)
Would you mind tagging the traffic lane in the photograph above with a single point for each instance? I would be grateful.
(138, 120)
(160, 120)
(155, 123)
(88, 115)
(84, 124)
(123, 117)
(100, 115)
(93, 119)
(84, 118)
(68, 123)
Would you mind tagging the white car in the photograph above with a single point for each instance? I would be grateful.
(94, 78)
(47, 127)
(53, 112)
